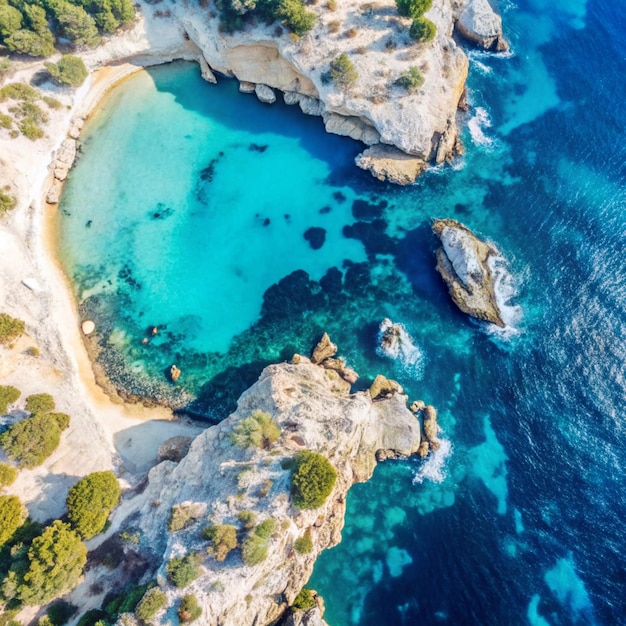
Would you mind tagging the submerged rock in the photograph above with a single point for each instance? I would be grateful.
(481, 25)
(310, 413)
(174, 373)
(462, 262)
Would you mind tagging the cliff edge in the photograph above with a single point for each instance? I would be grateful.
(222, 483)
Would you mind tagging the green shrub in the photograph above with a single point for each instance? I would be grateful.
(304, 544)
(62, 420)
(61, 612)
(312, 479)
(181, 516)
(31, 43)
(52, 103)
(411, 80)
(7, 203)
(90, 501)
(189, 610)
(10, 21)
(126, 602)
(6, 121)
(31, 441)
(92, 618)
(266, 528)
(40, 403)
(8, 474)
(74, 23)
(422, 29)
(296, 17)
(342, 72)
(184, 570)
(12, 516)
(305, 600)
(8, 395)
(31, 130)
(223, 538)
(258, 429)
(55, 563)
(248, 519)
(153, 601)
(413, 8)
(44, 621)
(254, 550)
(70, 70)
(10, 327)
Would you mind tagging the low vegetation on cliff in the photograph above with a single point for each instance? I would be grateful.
(258, 430)
(290, 13)
(312, 479)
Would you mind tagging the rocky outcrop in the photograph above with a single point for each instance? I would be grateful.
(481, 25)
(463, 263)
(389, 163)
(64, 159)
(265, 94)
(221, 480)
(324, 349)
(384, 388)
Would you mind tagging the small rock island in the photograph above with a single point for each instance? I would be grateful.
(464, 264)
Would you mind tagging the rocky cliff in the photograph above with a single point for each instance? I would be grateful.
(406, 130)
(217, 481)
(463, 262)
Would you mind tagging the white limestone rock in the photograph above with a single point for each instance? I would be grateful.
(313, 413)
(265, 94)
(481, 25)
(388, 163)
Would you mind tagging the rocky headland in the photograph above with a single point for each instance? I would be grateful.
(463, 261)
(220, 482)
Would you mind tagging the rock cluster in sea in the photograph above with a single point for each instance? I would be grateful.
(218, 480)
(462, 261)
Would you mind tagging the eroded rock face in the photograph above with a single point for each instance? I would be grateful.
(388, 163)
(462, 262)
(481, 25)
(312, 414)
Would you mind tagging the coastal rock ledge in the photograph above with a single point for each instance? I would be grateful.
(464, 264)
(221, 482)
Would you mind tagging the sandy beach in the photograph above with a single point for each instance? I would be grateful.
(33, 287)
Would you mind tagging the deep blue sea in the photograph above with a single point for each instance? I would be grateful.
(190, 210)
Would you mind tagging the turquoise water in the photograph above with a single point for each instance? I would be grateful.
(518, 519)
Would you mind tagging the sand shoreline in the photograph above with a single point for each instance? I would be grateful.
(33, 287)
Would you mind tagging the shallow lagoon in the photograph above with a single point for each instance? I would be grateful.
(496, 529)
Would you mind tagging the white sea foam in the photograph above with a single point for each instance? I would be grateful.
(505, 289)
(477, 125)
(434, 467)
(404, 350)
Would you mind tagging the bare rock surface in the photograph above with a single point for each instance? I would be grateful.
(462, 262)
(389, 163)
(481, 25)
(324, 349)
(313, 414)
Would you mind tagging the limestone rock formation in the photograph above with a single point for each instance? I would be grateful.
(323, 350)
(463, 262)
(64, 159)
(88, 327)
(339, 365)
(265, 94)
(388, 163)
(174, 449)
(431, 429)
(481, 25)
(312, 414)
(384, 388)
